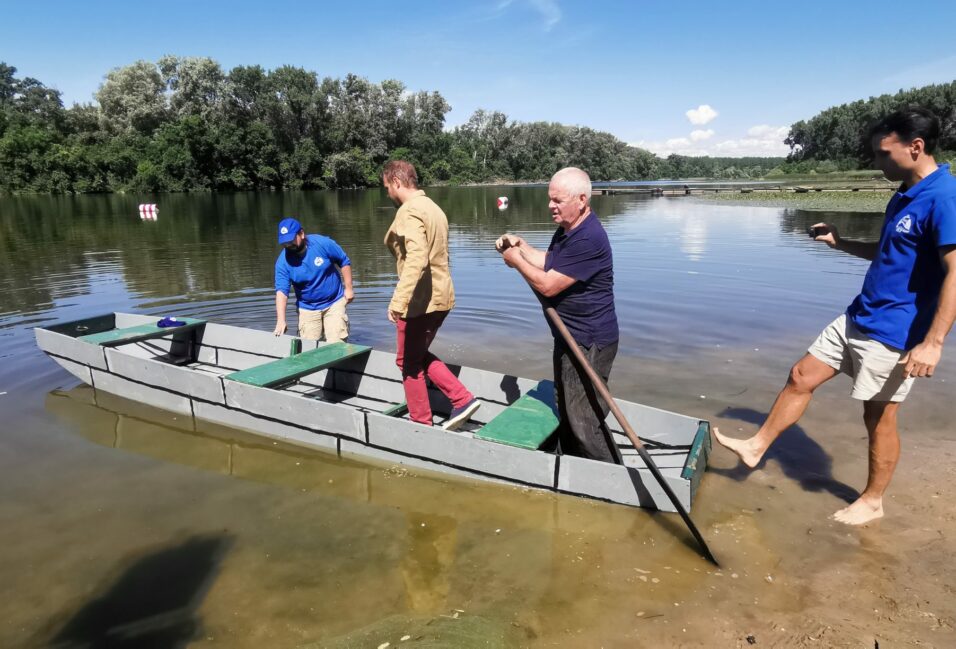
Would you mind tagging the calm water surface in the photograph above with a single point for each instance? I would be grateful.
(126, 526)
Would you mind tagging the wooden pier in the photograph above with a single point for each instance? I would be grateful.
(690, 190)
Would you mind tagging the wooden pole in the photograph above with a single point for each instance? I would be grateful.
(631, 435)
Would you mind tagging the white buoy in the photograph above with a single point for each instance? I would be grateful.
(502, 202)
(148, 211)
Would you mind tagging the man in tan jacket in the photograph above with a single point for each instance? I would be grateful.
(418, 238)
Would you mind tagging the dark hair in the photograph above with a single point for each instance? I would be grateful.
(402, 171)
(910, 123)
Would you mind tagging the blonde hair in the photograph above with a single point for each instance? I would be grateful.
(402, 171)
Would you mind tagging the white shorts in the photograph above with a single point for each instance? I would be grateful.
(874, 367)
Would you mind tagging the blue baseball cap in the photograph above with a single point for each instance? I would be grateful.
(288, 229)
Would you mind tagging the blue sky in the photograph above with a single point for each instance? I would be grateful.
(634, 69)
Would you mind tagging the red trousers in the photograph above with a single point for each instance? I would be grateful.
(415, 335)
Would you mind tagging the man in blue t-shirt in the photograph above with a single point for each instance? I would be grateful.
(311, 264)
(575, 276)
(893, 331)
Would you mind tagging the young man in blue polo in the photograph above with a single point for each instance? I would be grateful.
(311, 264)
(893, 332)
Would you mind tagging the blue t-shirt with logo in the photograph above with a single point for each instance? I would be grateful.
(901, 289)
(587, 306)
(314, 275)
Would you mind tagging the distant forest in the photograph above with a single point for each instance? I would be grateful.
(184, 124)
(835, 140)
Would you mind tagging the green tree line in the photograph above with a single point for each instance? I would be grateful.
(183, 124)
(835, 139)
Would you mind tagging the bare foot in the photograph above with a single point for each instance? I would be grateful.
(860, 512)
(745, 449)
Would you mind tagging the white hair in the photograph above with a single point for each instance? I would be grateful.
(575, 181)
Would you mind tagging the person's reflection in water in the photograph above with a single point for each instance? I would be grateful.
(801, 458)
(153, 601)
(427, 564)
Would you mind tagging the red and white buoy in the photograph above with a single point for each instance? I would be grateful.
(148, 211)
(502, 202)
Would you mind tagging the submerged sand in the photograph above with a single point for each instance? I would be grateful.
(127, 527)
(214, 538)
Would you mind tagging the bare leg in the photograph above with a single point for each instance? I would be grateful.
(880, 419)
(806, 376)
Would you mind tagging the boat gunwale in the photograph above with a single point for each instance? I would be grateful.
(690, 472)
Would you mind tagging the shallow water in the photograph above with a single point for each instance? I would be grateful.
(128, 526)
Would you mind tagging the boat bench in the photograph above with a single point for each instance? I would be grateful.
(291, 368)
(527, 422)
(396, 410)
(115, 337)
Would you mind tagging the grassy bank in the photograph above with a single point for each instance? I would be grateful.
(830, 201)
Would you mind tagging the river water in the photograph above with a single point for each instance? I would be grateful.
(125, 526)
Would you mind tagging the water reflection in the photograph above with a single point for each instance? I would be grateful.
(426, 566)
(714, 301)
(153, 600)
(693, 237)
(864, 227)
(211, 255)
(109, 420)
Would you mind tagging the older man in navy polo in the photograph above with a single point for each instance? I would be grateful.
(893, 331)
(575, 275)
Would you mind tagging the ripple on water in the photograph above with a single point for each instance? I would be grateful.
(103, 492)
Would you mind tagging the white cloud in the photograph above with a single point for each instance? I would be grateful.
(549, 10)
(753, 146)
(664, 148)
(766, 131)
(761, 140)
(701, 115)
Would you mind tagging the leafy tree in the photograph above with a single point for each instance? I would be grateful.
(197, 85)
(351, 168)
(294, 106)
(245, 95)
(839, 133)
(183, 124)
(8, 83)
(133, 99)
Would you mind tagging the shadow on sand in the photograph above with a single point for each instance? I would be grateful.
(153, 601)
(800, 457)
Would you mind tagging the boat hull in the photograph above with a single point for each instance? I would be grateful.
(340, 410)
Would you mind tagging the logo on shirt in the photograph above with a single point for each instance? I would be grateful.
(284, 230)
(319, 261)
(905, 224)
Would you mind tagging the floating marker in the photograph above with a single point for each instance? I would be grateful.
(502, 202)
(148, 211)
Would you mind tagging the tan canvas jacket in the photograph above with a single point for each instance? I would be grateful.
(418, 239)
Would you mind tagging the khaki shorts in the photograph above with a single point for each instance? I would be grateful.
(332, 321)
(874, 367)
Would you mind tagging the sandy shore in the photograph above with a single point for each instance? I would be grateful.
(316, 552)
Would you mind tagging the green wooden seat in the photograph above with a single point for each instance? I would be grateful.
(115, 337)
(396, 410)
(527, 422)
(288, 369)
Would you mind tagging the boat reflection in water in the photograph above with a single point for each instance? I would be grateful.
(346, 399)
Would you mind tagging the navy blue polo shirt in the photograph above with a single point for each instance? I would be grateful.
(587, 306)
(902, 286)
(314, 275)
